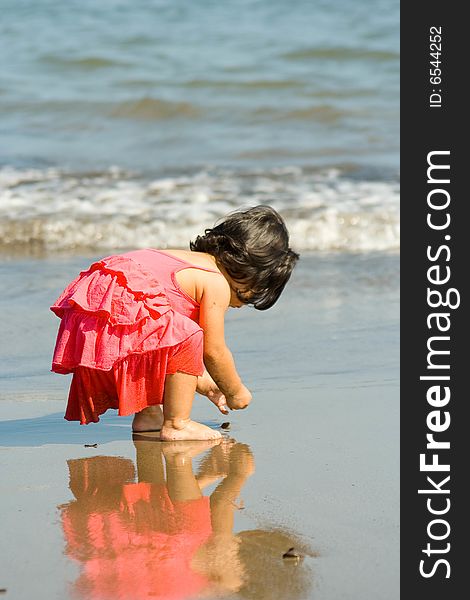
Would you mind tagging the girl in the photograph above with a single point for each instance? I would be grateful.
(146, 328)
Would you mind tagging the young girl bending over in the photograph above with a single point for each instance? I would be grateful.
(146, 328)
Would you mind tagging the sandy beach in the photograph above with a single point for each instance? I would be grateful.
(313, 462)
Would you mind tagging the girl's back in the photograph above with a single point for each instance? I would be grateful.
(182, 273)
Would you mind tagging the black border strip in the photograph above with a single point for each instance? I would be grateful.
(433, 124)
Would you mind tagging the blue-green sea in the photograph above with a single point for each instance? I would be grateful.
(142, 121)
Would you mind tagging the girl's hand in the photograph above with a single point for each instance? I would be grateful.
(219, 400)
(207, 387)
(239, 400)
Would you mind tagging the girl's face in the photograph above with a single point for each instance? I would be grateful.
(235, 290)
(235, 302)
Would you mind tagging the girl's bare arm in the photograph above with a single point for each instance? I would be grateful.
(214, 301)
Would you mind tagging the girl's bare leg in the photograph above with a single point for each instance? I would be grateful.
(177, 403)
(148, 419)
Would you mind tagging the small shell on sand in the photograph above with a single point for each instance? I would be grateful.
(292, 555)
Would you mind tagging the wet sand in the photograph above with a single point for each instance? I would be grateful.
(313, 463)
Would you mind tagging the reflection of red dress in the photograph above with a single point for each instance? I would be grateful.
(126, 324)
(141, 548)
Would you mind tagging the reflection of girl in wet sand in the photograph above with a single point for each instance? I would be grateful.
(161, 537)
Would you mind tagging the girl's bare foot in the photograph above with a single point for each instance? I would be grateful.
(148, 419)
(185, 429)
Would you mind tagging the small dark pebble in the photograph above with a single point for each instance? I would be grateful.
(225, 425)
(91, 445)
(291, 553)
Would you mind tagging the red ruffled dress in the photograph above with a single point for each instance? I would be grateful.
(126, 324)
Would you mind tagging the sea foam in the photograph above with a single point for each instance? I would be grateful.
(55, 210)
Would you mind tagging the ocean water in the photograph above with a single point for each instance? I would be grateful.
(138, 123)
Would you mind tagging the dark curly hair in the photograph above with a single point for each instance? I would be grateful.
(253, 247)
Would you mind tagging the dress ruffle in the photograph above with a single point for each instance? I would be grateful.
(118, 288)
(114, 309)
